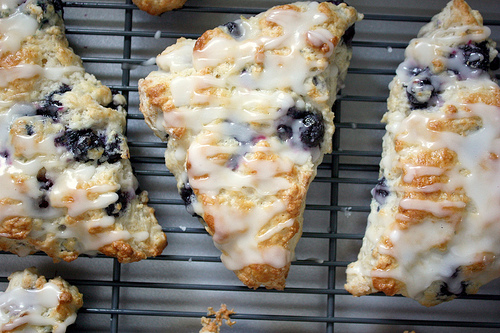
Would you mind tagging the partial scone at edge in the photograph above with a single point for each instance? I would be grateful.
(157, 7)
(433, 224)
(30, 300)
(244, 134)
(68, 186)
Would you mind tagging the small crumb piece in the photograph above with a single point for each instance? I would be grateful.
(213, 325)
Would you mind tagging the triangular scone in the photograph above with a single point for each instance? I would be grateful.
(434, 228)
(246, 110)
(67, 186)
(31, 304)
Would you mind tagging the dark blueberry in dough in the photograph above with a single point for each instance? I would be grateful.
(188, 196)
(234, 29)
(120, 205)
(51, 107)
(285, 132)
(45, 185)
(336, 2)
(476, 56)
(495, 63)
(115, 104)
(301, 125)
(29, 129)
(419, 92)
(5, 154)
(445, 292)
(349, 35)
(422, 90)
(112, 150)
(313, 130)
(381, 191)
(79, 142)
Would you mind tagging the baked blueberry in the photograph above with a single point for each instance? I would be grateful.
(349, 35)
(381, 191)
(112, 150)
(234, 29)
(476, 56)
(79, 142)
(312, 130)
(188, 196)
(29, 129)
(301, 126)
(45, 184)
(120, 205)
(51, 107)
(421, 90)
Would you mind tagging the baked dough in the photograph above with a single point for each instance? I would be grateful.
(67, 186)
(246, 111)
(31, 304)
(434, 228)
(157, 7)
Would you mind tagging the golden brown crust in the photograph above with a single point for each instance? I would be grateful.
(157, 7)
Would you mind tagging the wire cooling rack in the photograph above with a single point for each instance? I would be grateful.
(170, 293)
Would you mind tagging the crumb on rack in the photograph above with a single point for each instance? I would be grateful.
(213, 325)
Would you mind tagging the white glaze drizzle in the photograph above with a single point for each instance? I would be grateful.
(19, 306)
(14, 29)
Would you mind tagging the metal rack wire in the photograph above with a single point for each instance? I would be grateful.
(170, 293)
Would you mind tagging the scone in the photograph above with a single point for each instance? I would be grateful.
(434, 228)
(157, 7)
(246, 111)
(67, 186)
(31, 304)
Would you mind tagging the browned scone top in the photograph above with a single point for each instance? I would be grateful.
(157, 7)
(434, 228)
(66, 179)
(246, 110)
(32, 304)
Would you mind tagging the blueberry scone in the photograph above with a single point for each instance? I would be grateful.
(67, 186)
(31, 304)
(434, 228)
(157, 7)
(246, 111)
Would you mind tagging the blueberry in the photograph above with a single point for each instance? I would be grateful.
(381, 191)
(5, 154)
(29, 129)
(115, 102)
(285, 132)
(476, 56)
(45, 185)
(119, 206)
(51, 107)
(79, 142)
(313, 130)
(421, 91)
(112, 150)
(234, 29)
(336, 2)
(188, 196)
(495, 63)
(445, 292)
(349, 35)
(301, 125)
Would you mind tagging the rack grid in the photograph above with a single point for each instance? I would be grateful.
(170, 293)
